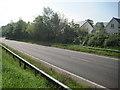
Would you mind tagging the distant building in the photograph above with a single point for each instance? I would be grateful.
(86, 25)
(101, 24)
(113, 26)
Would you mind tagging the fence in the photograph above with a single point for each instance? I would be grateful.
(37, 70)
(118, 51)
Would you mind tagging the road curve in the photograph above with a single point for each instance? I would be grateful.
(99, 69)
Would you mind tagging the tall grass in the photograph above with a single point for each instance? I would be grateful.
(77, 48)
(65, 79)
(82, 49)
(14, 76)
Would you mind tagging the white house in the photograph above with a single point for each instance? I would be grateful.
(113, 26)
(86, 25)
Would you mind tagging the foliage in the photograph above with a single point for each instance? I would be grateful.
(98, 38)
(83, 49)
(53, 27)
(113, 40)
(14, 76)
(15, 30)
(64, 78)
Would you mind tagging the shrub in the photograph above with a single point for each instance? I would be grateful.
(113, 40)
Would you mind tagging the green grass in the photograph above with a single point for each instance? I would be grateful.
(112, 48)
(77, 48)
(82, 49)
(0, 68)
(14, 76)
(65, 79)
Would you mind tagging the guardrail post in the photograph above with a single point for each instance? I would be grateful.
(13, 56)
(24, 66)
(20, 63)
(6, 50)
(36, 72)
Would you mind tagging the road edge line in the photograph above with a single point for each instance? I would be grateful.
(75, 77)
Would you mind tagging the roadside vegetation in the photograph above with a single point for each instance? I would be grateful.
(14, 76)
(82, 49)
(52, 27)
(67, 80)
(0, 68)
(79, 48)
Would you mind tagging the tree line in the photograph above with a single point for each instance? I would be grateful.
(53, 27)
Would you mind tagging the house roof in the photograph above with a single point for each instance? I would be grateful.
(117, 19)
(87, 22)
(104, 23)
(81, 23)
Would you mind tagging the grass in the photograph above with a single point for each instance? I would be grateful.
(77, 48)
(14, 76)
(112, 48)
(65, 79)
(0, 68)
(82, 49)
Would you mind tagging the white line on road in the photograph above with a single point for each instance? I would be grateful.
(86, 80)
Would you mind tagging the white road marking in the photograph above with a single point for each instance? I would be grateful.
(87, 81)
(84, 60)
(80, 59)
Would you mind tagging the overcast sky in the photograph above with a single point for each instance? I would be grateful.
(78, 10)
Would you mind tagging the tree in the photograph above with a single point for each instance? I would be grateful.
(31, 30)
(90, 21)
(19, 30)
(8, 30)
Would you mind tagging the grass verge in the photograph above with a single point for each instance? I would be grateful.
(77, 48)
(61, 77)
(82, 49)
(14, 76)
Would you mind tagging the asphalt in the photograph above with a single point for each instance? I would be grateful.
(102, 70)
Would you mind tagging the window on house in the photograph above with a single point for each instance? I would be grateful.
(112, 26)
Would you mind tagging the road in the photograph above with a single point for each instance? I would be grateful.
(99, 69)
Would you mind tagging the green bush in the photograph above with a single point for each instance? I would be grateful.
(113, 40)
(97, 39)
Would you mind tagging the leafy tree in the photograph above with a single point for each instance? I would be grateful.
(31, 30)
(19, 30)
(68, 35)
(53, 27)
(90, 21)
(8, 30)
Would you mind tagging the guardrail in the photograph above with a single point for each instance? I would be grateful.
(118, 51)
(103, 49)
(37, 70)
